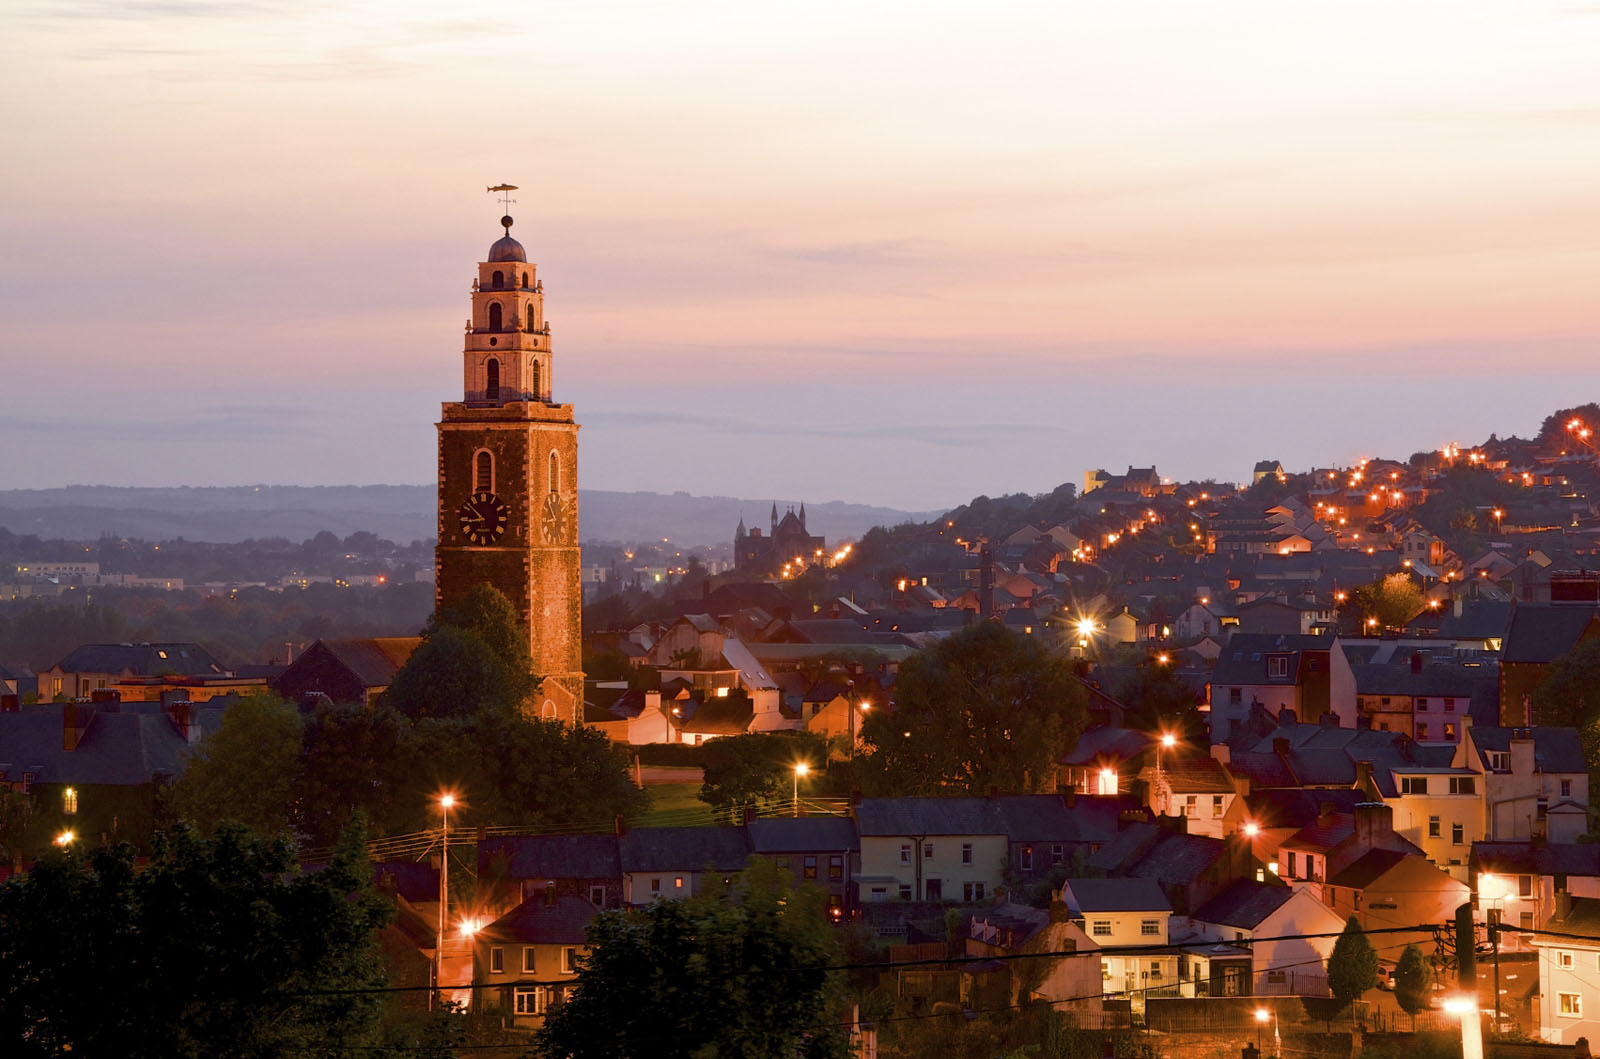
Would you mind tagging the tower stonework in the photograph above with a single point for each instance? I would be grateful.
(508, 477)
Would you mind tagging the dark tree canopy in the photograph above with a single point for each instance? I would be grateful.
(218, 947)
(757, 767)
(985, 709)
(1413, 982)
(737, 979)
(248, 771)
(1353, 964)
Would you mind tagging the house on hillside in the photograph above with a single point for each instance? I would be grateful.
(352, 671)
(1305, 675)
(1126, 914)
(1569, 988)
(1276, 920)
(1537, 635)
(525, 962)
(99, 666)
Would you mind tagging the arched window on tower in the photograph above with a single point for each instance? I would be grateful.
(494, 316)
(483, 472)
(555, 473)
(538, 394)
(491, 384)
(530, 316)
(524, 281)
(499, 280)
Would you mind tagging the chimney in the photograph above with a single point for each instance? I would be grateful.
(622, 826)
(1060, 911)
(1374, 825)
(1538, 834)
(288, 653)
(1280, 746)
(1325, 811)
(1416, 663)
(1364, 776)
(1223, 753)
(182, 713)
(1070, 797)
(75, 718)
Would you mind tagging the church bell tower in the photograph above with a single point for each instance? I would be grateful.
(508, 477)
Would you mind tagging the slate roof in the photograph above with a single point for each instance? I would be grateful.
(1244, 659)
(1295, 807)
(803, 834)
(140, 659)
(1047, 817)
(930, 816)
(1368, 868)
(1197, 775)
(1522, 858)
(1243, 903)
(1107, 743)
(684, 849)
(124, 748)
(538, 921)
(553, 856)
(1542, 632)
(1583, 917)
(1554, 749)
(731, 715)
(413, 880)
(372, 661)
(1150, 851)
(1398, 679)
(1480, 619)
(1117, 895)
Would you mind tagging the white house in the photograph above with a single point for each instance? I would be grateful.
(930, 849)
(1126, 913)
(1569, 974)
(1246, 910)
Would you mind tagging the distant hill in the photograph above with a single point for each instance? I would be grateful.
(402, 513)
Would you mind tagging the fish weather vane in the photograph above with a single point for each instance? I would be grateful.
(505, 191)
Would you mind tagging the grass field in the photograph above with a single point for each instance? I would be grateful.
(676, 805)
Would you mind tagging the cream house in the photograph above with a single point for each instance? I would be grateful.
(930, 849)
(1569, 974)
(1126, 913)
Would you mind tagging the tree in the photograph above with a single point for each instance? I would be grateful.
(1353, 964)
(355, 759)
(757, 767)
(248, 771)
(473, 656)
(692, 978)
(1394, 601)
(219, 947)
(984, 709)
(1413, 982)
(1569, 695)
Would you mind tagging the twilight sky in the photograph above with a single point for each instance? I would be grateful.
(889, 252)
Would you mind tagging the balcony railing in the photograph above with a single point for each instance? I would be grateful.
(503, 395)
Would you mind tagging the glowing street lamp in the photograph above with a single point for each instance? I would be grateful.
(1465, 1007)
(447, 801)
(801, 769)
(1262, 1015)
(66, 838)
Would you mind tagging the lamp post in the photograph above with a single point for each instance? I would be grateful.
(446, 802)
(1166, 742)
(1262, 1014)
(800, 769)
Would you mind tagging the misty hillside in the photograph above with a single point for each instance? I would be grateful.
(402, 513)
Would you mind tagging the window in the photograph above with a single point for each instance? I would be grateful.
(1462, 785)
(783, 862)
(1277, 665)
(655, 886)
(1422, 731)
(811, 867)
(1563, 959)
(1541, 807)
(569, 959)
(495, 316)
(966, 853)
(1216, 805)
(1449, 731)
(905, 892)
(1235, 697)
(497, 960)
(597, 896)
(1524, 886)
(1150, 928)
(1449, 705)
(1566, 788)
(927, 851)
(1058, 854)
(534, 368)
(880, 893)
(1027, 858)
(1456, 834)
(1100, 928)
(1276, 977)
(1413, 785)
(1570, 1004)
(491, 373)
(69, 800)
(483, 472)
(529, 959)
(524, 281)
(499, 280)
(1291, 864)
(1433, 827)
(677, 882)
(905, 853)
(836, 868)
(1497, 760)
(531, 1000)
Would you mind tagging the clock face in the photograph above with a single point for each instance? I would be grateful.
(483, 518)
(554, 523)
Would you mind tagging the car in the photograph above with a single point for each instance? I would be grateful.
(1386, 975)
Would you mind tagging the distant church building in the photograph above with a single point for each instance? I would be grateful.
(508, 477)
(755, 554)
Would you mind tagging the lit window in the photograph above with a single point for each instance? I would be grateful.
(69, 800)
(811, 867)
(531, 1000)
(1563, 959)
(677, 882)
(1570, 1004)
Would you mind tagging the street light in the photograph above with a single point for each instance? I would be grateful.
(447, 801)
(66, 838)
(800, 769)
(1262, 1015)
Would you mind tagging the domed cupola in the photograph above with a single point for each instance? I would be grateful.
(506, 248)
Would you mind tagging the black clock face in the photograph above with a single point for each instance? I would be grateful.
(554, 520)
(483, 518)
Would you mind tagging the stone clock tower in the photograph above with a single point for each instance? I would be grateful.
(508, 476)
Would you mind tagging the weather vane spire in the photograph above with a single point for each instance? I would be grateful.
(505, 191)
